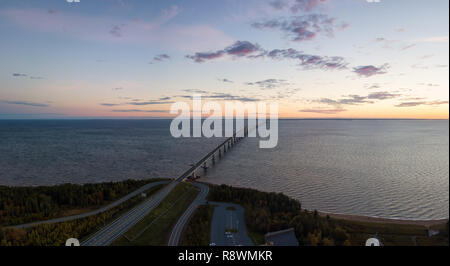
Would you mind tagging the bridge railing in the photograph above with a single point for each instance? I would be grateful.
(196, 166)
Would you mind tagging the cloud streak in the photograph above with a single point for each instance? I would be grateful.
(27, 103)
(19, 75)
(418, 103)
(22, 75)
(269, 83)
(308, 61)
(237, 49)
(149, 103)
(358, 99)
(219, 96)
(137, 111)
(302, 28)
(245, 49)
(323, 111)
(161, 57)
(370, 70)
(224, 80)
(109, 104)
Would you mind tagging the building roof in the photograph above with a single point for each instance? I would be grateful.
(282, 238)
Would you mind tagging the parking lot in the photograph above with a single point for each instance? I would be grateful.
(228, 225)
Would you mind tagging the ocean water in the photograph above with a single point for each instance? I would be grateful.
(384, 168)
(46, 152)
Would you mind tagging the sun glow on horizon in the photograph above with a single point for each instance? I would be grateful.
(135, 59)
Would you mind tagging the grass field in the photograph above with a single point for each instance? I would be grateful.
(155, 228)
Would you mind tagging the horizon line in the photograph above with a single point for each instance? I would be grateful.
(169, 118)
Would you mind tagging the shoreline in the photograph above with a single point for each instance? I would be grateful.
(338, 216)
(361, 218)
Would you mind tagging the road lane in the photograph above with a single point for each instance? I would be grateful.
(175, 236)
(111, 232)
(97, 211)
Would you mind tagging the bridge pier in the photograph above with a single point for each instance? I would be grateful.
(214, 158)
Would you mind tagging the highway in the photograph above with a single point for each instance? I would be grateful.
(175, 236)
(94, 212)
(114, 230)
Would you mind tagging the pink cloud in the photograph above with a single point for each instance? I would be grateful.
(370, 70)
(237, 49)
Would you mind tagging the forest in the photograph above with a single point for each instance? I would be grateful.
(56, 234)
(268, 212)
(195, 233)
(19, 205)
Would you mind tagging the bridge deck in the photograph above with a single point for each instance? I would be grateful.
(206, 157)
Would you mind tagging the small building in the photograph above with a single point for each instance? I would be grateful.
(282, 238)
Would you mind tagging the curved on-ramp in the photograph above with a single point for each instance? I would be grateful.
(177, 230)
(114, 230)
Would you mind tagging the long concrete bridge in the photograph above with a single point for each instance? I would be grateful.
(114, 230)
(218, 152)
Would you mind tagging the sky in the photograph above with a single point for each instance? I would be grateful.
(315, 58)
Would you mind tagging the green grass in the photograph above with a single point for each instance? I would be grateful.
(198, 229)
(155, 228)
(125, 207)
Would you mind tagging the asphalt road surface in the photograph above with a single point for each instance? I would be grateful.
(225, 219)
(114, 230)
(175, 236)
(94, 212)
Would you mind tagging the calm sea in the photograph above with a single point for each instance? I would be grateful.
(385, 168)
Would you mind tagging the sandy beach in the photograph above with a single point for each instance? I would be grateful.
(426, 223)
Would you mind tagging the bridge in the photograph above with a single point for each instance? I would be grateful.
(219, 150)
(114, 230)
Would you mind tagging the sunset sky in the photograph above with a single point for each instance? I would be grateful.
(316, 58)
